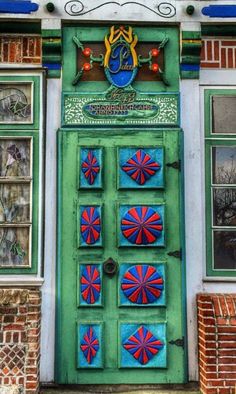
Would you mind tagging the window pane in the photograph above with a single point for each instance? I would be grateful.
(15, 103)
(224, 165)
(14, 246)
(14, 203)
(14, 157)
(224, 114)
(224, 207)
(224, 245)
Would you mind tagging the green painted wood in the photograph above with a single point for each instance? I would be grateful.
(189, 74)
(213, 139)
(218, 30)
(69, 257)
(90, 34)
(191, 35)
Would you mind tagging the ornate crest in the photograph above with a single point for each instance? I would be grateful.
(121, 62)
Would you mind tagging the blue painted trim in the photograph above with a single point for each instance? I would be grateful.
(220, 11)
(189, 67)
(18, 7)
(52, 66)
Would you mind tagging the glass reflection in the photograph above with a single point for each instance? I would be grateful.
(224, 249)
(224, 207)
(223, 114)
(224, 165)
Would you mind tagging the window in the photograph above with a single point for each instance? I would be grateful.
(220, 137)
(20, 175)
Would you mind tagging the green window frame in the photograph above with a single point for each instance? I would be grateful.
(21, 173)
(220, 165)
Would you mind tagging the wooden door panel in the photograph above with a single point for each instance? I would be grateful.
(115, 323)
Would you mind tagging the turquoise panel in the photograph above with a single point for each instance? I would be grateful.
(90, 225)
(143, 345)
(141, 225)
(142, 285)
(90, 168)
(141, 168)
(90, 354)
(90, 285)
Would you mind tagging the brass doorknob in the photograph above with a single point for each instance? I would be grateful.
(110, 267)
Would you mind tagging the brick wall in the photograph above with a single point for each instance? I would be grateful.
(20, 49)
(218, 53)
(20, 339)
(217, 343)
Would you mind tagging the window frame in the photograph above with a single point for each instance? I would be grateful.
(215, 140)
(33, 132)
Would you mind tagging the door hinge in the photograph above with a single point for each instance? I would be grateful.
(178, 342)
(176, 165)
(177, 254)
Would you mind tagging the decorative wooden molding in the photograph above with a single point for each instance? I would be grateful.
(190, 56)
(51, 43)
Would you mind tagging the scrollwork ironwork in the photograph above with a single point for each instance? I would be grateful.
(77, 8)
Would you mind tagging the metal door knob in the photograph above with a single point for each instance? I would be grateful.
(110, 267)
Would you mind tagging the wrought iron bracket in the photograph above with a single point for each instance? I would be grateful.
(178, 342)
(176, 165)
(177, 254)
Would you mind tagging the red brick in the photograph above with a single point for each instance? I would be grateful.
(227, 360)
(216, 50)
(227, 337)
(209, 50)
(227, 344)
(225, 390)
(8, 318)
(233, 321)
(228, 43)
(14, 327)
(210, 65)
(221, 321)
(226, 330)
(31, 385)
(223, 58)
(227, 352)
(227, 368)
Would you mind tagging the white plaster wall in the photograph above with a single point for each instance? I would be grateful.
(48, 289)
(192, 111)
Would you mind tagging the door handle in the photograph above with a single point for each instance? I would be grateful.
(110, 267)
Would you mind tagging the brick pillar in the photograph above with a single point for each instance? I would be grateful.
(20, 319)
(217, 343)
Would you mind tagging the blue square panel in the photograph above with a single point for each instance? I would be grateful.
(141, 168)
(90, 354)
(90, 225)
(142, 284)
(90, 285)
(141, 225)
(143, 345)
(90, 168)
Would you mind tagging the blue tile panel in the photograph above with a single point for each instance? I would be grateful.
(90, 285)
(141, 225)
(90, 225)
(142, 284)
(90, 353)
(141, 168)
(90, 168)
(143, 345)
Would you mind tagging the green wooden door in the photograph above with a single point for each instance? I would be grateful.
(120, 291)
